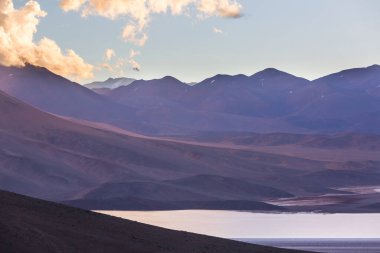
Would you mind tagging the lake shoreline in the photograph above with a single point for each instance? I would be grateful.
(238, 224)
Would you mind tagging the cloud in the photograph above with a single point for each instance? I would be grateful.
(107, 66)
(18, 48)
(117, 67)
(71, 4)
(140, 11)
(133, 53)
(217, 30)
(223, 8)
(133, 33)
(109, 54)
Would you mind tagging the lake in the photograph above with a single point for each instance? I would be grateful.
(345, 232)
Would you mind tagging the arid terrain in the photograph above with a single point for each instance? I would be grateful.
(95, 165)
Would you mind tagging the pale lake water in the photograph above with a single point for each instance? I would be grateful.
(330, 233)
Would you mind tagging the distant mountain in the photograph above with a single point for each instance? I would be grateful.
(24, 221)
(341, 101)
(110, 83)
(166, 91)
(270, 101)
(357, 79)
(222, 103)
(264, 94)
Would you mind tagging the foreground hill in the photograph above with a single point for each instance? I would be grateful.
(36, 226)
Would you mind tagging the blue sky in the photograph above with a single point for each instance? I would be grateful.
(307, 38)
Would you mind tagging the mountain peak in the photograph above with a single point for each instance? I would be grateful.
(374, 66)
(270, 72)
(170, 79)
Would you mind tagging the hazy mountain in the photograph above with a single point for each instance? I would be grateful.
(266, 102)
(110, 83)
(24, 221)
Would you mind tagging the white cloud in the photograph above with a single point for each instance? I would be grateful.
(106, 66)
(133, 53)
(71, 4)
(133, 33)
(17, 45)
(217, 30)
(109, 54)
(140, 11)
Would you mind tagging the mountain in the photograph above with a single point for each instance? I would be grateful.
(110, 83)
(270, 101)
(31, 225)
(158, 92)
(49, 92)
(54, 94)
(222, 103)
(356, 79)
(341, 101)
(263, 94)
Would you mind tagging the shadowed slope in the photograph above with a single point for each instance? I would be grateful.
(49, 92)
(33, 226)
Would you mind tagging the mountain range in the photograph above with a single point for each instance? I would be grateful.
(269, 101)
(162, 144)
(109, 84)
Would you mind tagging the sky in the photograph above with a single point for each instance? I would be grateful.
(306, 38)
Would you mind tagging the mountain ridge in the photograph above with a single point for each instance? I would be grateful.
(266, 102)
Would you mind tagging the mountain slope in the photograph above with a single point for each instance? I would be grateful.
(221, 103)
(49, 157)
(93, 165)
(49, 92)
(340, 101)
(267, 102)
(263, 94)
(157, 92)
(31, 225)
